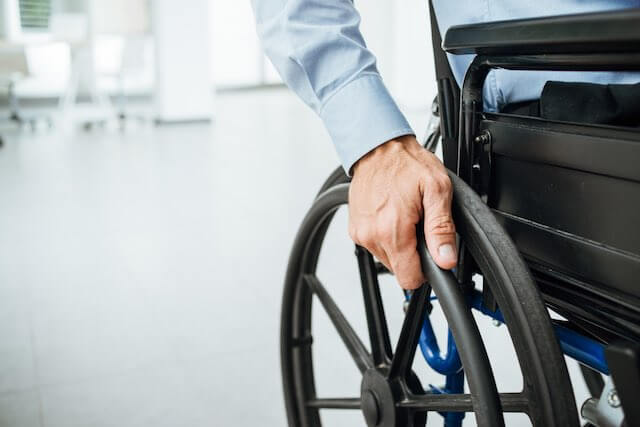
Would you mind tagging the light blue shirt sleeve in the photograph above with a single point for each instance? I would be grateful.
(317, 48)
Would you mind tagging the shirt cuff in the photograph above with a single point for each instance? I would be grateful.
(360, 116)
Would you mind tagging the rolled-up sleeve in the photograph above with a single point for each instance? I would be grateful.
(317, 48)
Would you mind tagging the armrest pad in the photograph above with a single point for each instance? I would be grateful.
(584, 33)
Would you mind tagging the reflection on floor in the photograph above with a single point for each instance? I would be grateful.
(141, 272)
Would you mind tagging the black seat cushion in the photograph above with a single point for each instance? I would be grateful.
(589, 103)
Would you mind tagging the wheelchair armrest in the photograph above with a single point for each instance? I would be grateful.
(601, 32)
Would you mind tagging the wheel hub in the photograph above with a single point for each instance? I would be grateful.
(378, 400)
(379, 396)
(371, 408)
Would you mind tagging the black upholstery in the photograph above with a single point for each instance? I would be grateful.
(597, 104)
(569, 195)
(588, 33)
(588, 103)
(565, 184)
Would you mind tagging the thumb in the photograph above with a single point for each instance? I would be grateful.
(439, 229)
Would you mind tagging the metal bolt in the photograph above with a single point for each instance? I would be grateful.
(496, 323)
(612, 399)
(483, 138)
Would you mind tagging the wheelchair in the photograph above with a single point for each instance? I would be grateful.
(547, 215)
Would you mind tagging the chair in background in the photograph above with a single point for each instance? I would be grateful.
(13, 67)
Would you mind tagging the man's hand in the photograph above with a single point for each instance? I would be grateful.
(393, 186)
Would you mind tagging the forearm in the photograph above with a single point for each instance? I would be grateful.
(317, 47)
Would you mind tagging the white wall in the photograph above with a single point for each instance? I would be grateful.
(9, 14)
(182, 83)
(3, 19)
(398, 32)
(120, 16)
(235, 50)
(415, 79)
(378, 28)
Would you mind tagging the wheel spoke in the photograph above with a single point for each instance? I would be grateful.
(376, 320)
(410, 333)
(510, 402)
(358, 351)
(339, 403)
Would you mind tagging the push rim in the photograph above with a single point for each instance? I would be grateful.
(391, 395)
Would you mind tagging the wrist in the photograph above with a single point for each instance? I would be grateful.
(391, 148)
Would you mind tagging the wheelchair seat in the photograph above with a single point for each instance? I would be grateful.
(586, 103)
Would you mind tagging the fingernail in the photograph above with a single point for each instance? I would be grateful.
(446, 252)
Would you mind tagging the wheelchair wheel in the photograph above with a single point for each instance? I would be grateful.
(391, 394)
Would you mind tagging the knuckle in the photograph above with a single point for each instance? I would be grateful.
(441, 225)
(397, 267)
(409, 282)
(408, 271)
(364, 237)
(410, 286)
(440, 184)
(368, 243)
(356, 235)
(353, 233)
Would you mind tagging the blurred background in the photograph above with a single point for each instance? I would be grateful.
(153, 172)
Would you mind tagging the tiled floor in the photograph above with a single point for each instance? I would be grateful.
(141, 272)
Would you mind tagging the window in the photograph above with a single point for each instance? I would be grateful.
(34, 14)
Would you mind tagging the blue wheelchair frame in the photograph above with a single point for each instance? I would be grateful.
(579, 347)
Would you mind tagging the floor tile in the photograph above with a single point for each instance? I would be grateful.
(21, 409)
(151, 396)
(88, 333)
(240, 389)
(17, 369)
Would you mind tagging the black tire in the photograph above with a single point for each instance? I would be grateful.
(547, 397)
(338, 176)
